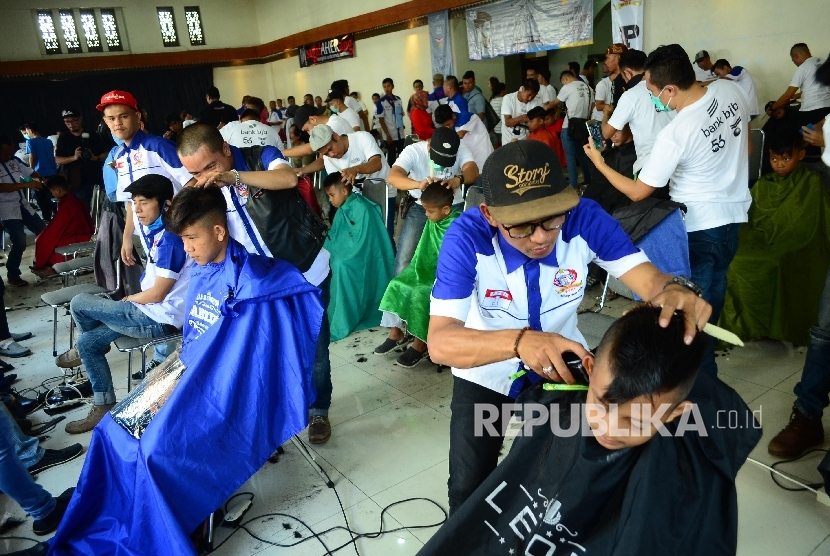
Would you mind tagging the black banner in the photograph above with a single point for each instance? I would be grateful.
(327, 50)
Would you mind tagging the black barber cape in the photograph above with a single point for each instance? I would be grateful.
(558, 495)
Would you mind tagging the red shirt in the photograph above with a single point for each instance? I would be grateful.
(421, 123)
(551, 139)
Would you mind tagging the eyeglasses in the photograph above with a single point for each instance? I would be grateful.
(520, 231)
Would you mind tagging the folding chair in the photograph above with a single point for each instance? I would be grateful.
(757, 156)
(474, 198)
(128, 344)
(375, 190)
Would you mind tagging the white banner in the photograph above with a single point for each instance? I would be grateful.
(439, 43)
(627, 22)
(514, 26)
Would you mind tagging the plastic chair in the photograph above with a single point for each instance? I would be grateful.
(757, 155)
(128, 344)
(375, 190)
(474, 198)
(96, 210)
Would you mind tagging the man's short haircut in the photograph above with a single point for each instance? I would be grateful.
(452, 81)
(250, 113)
(213, 92)
(566, 73)
(536, 112)
(340, 85)
(443, 114)
(337, 94)
(469, 74)
(57, 181)
(800, 47)
(196, 205)
(646, 359)
(172, 117)
(575, 67)
(437, 195)
(388, 80)
(788, 141)
(670, 65)
(153, 186)
(721, 64)
(194, 136)
(33, 126)
(418, 81)
(634, 60)
(335, 180)
(545, 73)
(592, 63)
(531, 85)
(291, 97)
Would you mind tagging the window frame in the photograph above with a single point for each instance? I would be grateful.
(198, 12)
(167, 43)
(58, 48)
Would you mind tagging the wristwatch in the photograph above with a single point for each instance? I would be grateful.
(688, 284)
(460, 179)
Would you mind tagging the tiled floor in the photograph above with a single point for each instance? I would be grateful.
(390, 443)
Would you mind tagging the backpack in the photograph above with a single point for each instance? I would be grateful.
(491, 119)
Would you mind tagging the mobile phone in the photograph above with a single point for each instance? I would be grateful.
(808, 126)
(595, 131)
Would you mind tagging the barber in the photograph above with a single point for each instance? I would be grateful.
(510, 279)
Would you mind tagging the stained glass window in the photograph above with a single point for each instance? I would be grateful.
(194, 25)
(167, 22)
(110, 26)
(90, 29)
(70, 33)
(47, 32)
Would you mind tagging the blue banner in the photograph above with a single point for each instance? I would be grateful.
(440, 48)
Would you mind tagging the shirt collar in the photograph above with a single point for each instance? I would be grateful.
(135, 143)
(513, 258)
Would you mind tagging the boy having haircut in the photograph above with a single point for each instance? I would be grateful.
(633, 462)
(406, 301)
(776, 278)
(539, 131)
(361, 261)
(70, 224)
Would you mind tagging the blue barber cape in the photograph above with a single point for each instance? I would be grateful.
(249, 344)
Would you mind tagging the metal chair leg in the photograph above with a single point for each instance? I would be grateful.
(54, 332)
(129, 370)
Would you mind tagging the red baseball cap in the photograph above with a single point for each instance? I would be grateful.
(118, 97)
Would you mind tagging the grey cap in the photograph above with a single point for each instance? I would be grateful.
(320, 137)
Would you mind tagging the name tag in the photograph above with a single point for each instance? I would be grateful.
(497, 299)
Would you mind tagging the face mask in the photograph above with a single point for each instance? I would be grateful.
(333, 110)
(437, 168)
(156, 225)
(658, 104)
(26, 136)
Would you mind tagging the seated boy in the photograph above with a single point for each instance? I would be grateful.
(539, 131)
(777, 276)
(70, 224)
(406, 301)
(361, 260)
(780, 120)
(157, 310)
(655, 474)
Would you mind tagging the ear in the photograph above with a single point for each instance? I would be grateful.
(681, 408)
(487, 216)
(446, 210)
(226, 149)
(167, 204)
(801, 154)
(219, 231)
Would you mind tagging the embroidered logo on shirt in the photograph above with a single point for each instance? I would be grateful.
(525, 180)
(242, 189)
(566, 280)
(138, 159)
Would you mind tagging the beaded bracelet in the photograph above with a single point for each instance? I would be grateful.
(516, 343)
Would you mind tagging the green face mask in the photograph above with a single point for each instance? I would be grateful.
(26, 136)
(658, 104)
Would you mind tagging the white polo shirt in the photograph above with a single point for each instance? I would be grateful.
(251, 133)
(814, 95)
(11, 203)
(415, 161)
(488, 285)
(362, 147)
(352, 118)
(636, 109)
(354, 104)
(704, 155)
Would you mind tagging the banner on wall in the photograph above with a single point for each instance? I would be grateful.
(627, 22)
(516, 26)
(327, 50)
(439, 42)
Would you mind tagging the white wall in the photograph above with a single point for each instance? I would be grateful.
(225, 24)
(756, 34)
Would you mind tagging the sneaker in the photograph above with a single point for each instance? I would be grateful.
(800, 434)
(389, 344)
(71, 358)
(411, 357)
(319, 429)
(88, 423)
(15, 350)
(53, 458)
(50, 522)
(137, 376)
(21, 336)
(17, 282)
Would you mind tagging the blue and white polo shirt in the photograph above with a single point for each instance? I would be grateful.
(166, 258)
(489, 285)
(148, 154)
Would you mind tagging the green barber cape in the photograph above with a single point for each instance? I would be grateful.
(776, 278)
(408, 293)
(361, 262)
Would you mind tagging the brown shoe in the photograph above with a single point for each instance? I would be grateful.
(88, 423)
(71, 358)
(319, 429)
(799, 435)
(17, 282)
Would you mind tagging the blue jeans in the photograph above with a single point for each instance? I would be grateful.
(710, 254)
(18, 236)
(101, 321)
(18, 452)
(413, 227)
(574, 153)
(322, 364)
(813, 390)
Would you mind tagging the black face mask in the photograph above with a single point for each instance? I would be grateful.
(634, 80)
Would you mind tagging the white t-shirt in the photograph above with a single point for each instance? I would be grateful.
(814, 95)
(577, 97)
(603, 93)
(250, 134)
(747, 85)
(339, 125)
(703, 154)
(477, 140)
(351, 118)
(357, 106)
(362, 147)
(415, 161)
(511, 106)
(635, 109)
(546, 93)
(703, 75)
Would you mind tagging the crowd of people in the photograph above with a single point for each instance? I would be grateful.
(492, 291)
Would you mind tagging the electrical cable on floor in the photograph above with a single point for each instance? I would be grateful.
(812, 487)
